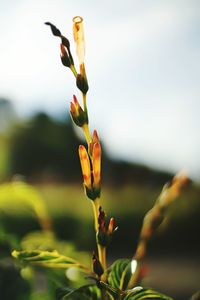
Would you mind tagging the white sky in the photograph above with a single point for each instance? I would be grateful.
(143, 66)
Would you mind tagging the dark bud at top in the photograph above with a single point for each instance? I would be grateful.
(54, 29)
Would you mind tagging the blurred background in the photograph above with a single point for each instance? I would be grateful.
(143, 65)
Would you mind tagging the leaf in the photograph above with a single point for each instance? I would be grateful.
(17, 196)
(113, 292)
(120, 273)
(139, 293)
(51, 259)
(196, 296)
(86, 292)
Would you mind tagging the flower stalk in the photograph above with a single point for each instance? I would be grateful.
(90, 158)
(154, 218)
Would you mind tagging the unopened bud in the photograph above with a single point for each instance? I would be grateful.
(64, 56)
(96, 163)
(54, 29)
(97, 267)
(85, 166)
(78, 115)
(111, 225)
(82, 84)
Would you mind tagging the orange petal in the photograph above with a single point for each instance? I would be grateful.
(96, 163)
(95, 137)
(85, 166)
(73, 109)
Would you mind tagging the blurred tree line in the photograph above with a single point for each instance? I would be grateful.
(44, 148)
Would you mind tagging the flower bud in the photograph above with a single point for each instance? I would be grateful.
(85, 166)
(104, 233)
(79, 38)
(96, 163)
(82, 84)
(95, 137)
(102, 219)
(90, 191)
(54, 29)
(77, 113)
(64, 56)
(111, 225)
(97, 267)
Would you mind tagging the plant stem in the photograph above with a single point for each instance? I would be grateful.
(87, 134)
(72, 67)
(84, 102)
(102, 257)
(95, 206)
(101, 249)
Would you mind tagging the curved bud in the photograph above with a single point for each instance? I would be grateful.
(85, 166)
(55, 31)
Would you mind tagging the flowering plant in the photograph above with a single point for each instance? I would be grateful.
(122, 279)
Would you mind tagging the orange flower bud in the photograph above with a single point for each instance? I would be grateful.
(95, 137)
(78, 115)
(96, 163)
(85, 166)
(111, 225)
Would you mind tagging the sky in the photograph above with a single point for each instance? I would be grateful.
(143, 68)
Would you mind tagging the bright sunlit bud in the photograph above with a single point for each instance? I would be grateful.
(85, 166)
(78, 115)
(79, 38)
(96, 163)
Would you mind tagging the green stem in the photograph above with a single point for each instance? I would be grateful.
(95, 206)
(73, 69)
(87, 134)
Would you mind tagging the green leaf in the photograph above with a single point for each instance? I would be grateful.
(139, 293)
(86, 292)
(120, 274)
(51, 259)
(113, 292)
